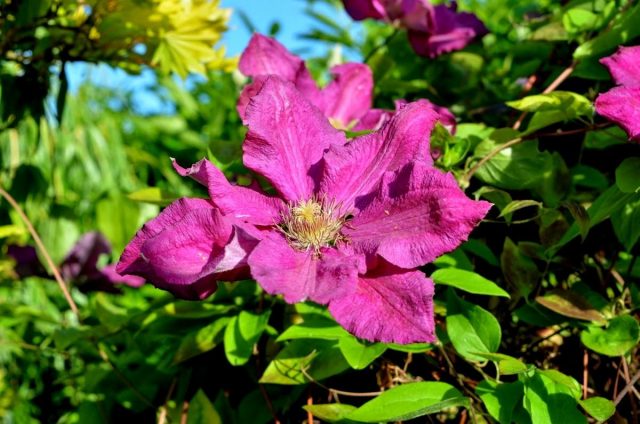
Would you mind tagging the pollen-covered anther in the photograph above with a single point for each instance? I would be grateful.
(312, 224)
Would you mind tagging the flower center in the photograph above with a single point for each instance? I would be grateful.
(311, 224)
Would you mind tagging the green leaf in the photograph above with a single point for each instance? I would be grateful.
(330, 412)
(568, 384)
(507, 365)
(153, 195)
(472, 329)
(599, 408)
(578, 20)
(616, 339)
(550, 402)
(587, 176)
(201, 410)
(517, 205)
(521, 166)
(314, 327)
(318, 359)
(570, 304)
(550, 102)
(409, 401)
(551, 108)
(581, 217)
(500, 399)
(628, 175)
(242, 332)
(626, 224)
(609, 202)
(360, 354)
(201, 341)
(625, 29)
(519, 271)
(467, 281)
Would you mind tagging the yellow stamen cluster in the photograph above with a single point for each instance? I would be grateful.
(311, 224)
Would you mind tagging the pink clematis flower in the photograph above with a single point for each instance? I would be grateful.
(432, 30)
(435, 30)
(621, 104)
(346, 101)
(349, 226)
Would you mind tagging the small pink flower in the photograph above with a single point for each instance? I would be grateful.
(621, 104)
(346, 101)
(348, 227)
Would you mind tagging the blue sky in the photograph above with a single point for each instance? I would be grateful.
(262, 13)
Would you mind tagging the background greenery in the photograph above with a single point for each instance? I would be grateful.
(537, 313)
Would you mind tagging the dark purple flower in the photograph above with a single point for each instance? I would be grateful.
(432, 30)
(81, 264)
(351, 222)
(27, 261)
(621, 104)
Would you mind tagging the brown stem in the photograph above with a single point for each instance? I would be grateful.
(43, 250)
(336, 391)
(585, 373)
(309, 402)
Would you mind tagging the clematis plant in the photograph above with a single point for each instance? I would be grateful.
(346, 100)
(621, 104)
(349, 225)
(432, 30)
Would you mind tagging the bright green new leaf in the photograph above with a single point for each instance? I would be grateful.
(471, 328)
(599, 408)
(409, 401)
(467, 281)
(242, 332)
(500, 399)
(330, 412)
(621, 334)
(360, 354)
(550, 402)
(302, 359)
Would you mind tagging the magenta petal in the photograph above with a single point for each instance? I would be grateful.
(363, 9)
(622, 106)
(190, 256)
(287, 138)
(373, 120)
(131, 262)
(624, 66)
(247, 93)
(417, 214)
(111, 275)
(243, 203)
(389, 305)
(444, 31)
(350, 95)
(265, 56)
(356, 168)
(301, 275)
